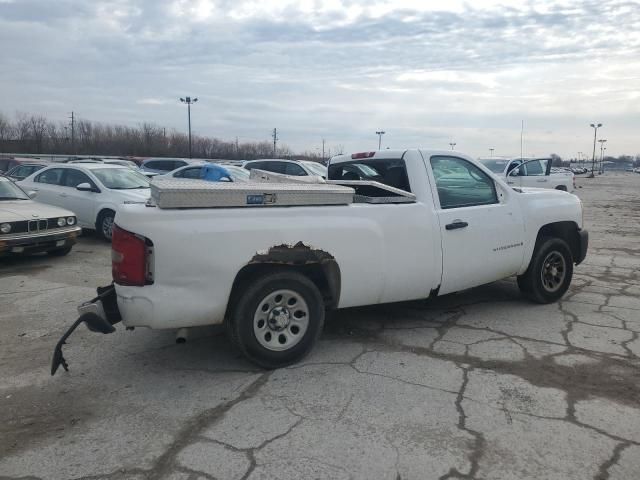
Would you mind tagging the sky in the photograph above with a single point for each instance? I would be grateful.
(428, 73)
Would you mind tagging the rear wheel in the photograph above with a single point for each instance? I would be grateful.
(278, 319)
(104, 224)
(549, 274)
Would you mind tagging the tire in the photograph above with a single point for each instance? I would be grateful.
(104, 224)
(59, 252)
(549, 274)
(277, 320)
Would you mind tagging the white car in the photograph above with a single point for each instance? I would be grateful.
(93, 191)
(238, 174)
(287, 167)
(531, 172)
(30, 227)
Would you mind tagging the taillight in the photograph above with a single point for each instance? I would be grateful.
(362, 155)
(128, 258)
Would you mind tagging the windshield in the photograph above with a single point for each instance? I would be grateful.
(120, 178)
(316, 168)
(10, 191)
(496, 166)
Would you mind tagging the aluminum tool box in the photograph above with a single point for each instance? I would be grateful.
(173, 193)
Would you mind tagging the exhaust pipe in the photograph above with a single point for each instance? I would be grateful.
(181, 335)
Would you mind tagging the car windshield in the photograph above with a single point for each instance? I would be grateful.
(120, 178)
(316, 168)
(10, 191)
(496, 166)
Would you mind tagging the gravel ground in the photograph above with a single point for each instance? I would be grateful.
(480, 384)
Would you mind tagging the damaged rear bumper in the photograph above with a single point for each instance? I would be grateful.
(100, 314)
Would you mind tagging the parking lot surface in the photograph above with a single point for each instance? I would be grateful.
(480, 384)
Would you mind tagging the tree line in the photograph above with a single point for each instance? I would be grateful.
(36, 134)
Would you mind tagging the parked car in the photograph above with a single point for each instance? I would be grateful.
(193, 170)
(531, 172)
(163, 165)
(7, 164)
(22, 171)
(30, 227)
(94, 191)
(442, 223)
(285, 167)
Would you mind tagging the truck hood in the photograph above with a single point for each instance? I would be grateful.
(17, 210)
(549, 205)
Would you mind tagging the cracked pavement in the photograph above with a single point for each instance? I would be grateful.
(477, 385)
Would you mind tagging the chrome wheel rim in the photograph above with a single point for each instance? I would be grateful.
(107, 226)
(281, 320)
(554, 270)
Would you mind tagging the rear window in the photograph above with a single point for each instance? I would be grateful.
(496, 166)
(392, 172)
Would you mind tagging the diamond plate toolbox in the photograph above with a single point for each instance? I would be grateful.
(172, 193)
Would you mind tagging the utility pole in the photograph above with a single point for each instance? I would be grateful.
(323, 150)
(595, 127)
(380, 133)
(274, 135)
(237, 149)
(452, 145)
(601, 169)
(189, 101)
(521, 139)
(73, 133)
(491, 150)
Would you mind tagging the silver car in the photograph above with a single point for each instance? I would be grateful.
(30, 227)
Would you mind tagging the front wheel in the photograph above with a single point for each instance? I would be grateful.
(277, 319)
(549, 274)
(104, 224)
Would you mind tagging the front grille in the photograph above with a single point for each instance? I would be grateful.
(34, 226)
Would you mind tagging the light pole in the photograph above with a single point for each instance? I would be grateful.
(491, 150)
(189, 101)
(602, 140)
(380, 133)
(452, 144)
(595, 127)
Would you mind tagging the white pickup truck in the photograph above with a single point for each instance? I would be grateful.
(530, 172)
(441, 223)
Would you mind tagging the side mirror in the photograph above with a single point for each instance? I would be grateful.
(84, 187)
(32, 194)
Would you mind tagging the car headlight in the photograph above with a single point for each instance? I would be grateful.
(5, 227)
(62, 222)
(71, 220)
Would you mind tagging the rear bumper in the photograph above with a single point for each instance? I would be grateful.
(38, 242)
(583, 245)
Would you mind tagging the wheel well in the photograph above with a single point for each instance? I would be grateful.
(561, 187)
(319, 266)
(567, 231)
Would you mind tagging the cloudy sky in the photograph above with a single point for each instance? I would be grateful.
(426, 72)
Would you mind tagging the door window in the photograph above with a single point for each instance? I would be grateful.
(534, 167)
(294, 169)
(193, 172)
(52, 176)
(74, 177)
(461, 184)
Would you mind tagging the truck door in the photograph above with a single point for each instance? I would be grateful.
(535, 173)
(482, 235)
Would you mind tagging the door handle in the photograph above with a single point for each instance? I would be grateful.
(542, 180)
(456, 224)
